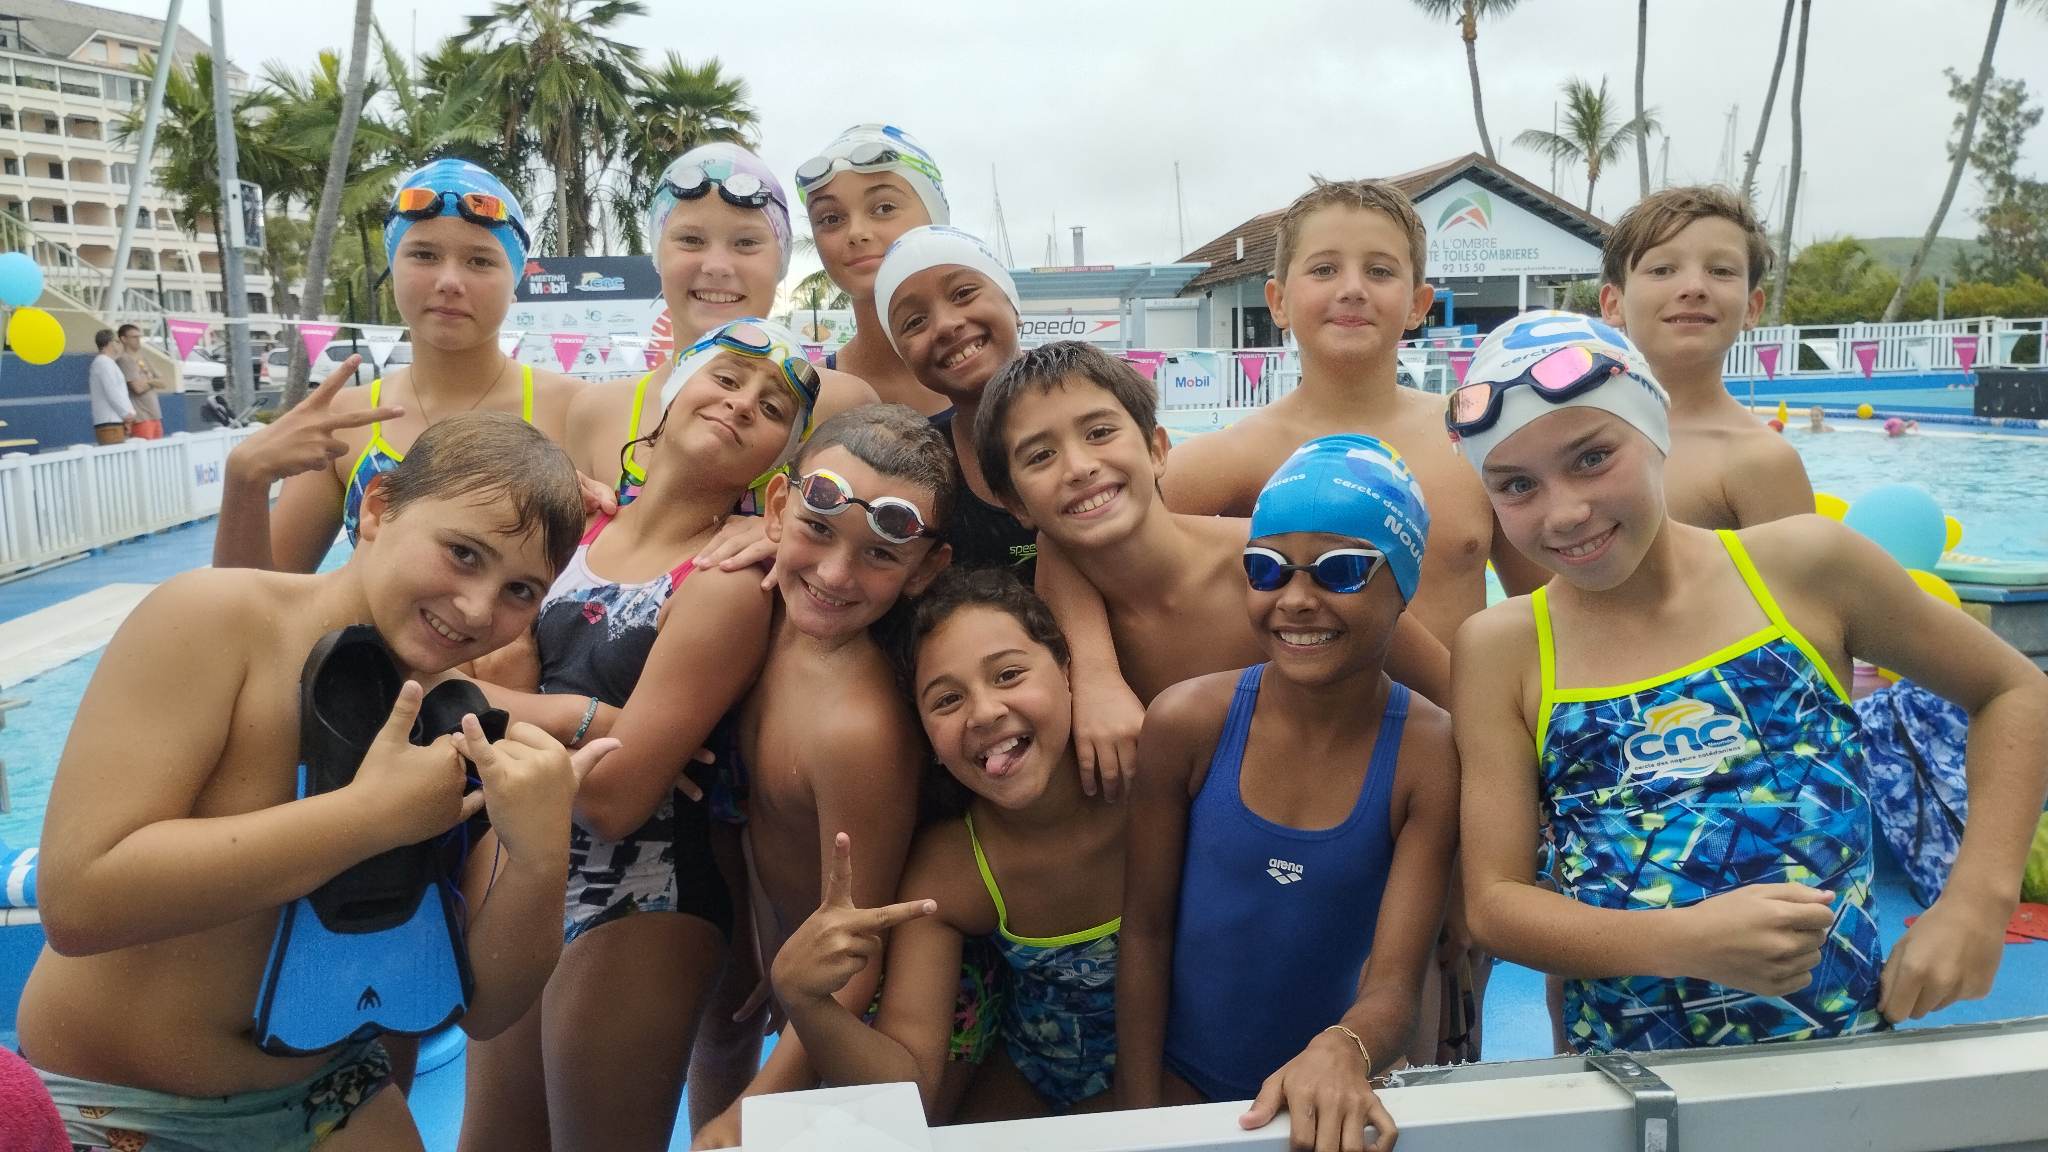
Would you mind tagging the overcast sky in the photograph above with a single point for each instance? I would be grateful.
(1082, 108)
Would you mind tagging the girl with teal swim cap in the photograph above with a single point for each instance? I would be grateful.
(868, 187)
(455, 241)
(1672, 703)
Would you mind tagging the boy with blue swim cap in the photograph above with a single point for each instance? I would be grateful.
(1297, 816)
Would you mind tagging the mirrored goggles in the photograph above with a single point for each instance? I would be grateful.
(1343, 570)
(894, 519)
(479, 208)
(1567, 372)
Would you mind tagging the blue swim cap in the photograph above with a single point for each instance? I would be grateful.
(1352, 486)
(459, 176)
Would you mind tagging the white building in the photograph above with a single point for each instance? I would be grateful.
(68, 75)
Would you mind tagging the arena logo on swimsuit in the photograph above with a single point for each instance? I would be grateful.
(1684, 739)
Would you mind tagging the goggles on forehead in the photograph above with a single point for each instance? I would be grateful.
(739, 189)
(479, 208)
(871, 156)
(1558, 376)
(751, 340)
(894, 519)
(1343, 570)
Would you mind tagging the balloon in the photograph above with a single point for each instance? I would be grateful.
(1904, 521)
(1863, 411)
(35, 335)
(1935, 586)
(1955, 534)
(21, 282)
(1775, 425)
(1829, 505)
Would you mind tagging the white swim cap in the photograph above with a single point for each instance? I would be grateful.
(935, 246)
(1632, 394)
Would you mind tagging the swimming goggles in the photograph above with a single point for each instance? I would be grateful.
(894, 519)
(479, 208)
(1342, 570)
(871, 156)
(1569, 371)
(739, 189)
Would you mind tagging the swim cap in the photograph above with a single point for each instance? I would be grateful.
(460, 176)
(935, 246)
(1633, 395)
(784, 348)
(912, 162)
(1348, 485)
(720, 160)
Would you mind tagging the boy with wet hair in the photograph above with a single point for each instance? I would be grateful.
(1682, 273)
(162, 889)
(1067, 437)
(826, 737)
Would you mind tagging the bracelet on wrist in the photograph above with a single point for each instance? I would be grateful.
(589, 714)
(1362, 1053)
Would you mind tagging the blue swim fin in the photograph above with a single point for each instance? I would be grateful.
(379, 948)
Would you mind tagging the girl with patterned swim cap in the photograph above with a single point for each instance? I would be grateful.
(718, 228)
(1674, 699)
(455, 242)
(868, 187)
(635, 641)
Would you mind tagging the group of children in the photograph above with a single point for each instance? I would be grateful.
(837, 763)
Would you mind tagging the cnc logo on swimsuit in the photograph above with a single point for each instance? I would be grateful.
(369, 999)
(593, 611)
(1684, 739)
(1283, 872)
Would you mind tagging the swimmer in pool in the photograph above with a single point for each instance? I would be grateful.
(1817, 421)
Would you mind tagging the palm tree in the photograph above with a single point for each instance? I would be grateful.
(552, 72)
(1960, 159)
(188, 170)
(676, 107)
(1777, 309)
(816, 292)
(1642, 138)
(1467, 14)
(1590, 136)
(1763, 122)
(340, 151)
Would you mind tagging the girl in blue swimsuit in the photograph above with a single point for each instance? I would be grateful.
(455, 240)
(1672, 703)
(1034, 865)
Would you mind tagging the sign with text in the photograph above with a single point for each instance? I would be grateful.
(1474, 231)
(595, 297)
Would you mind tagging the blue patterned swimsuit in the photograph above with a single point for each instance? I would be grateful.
(1743, 767)
(1059, 1022)
(379, 457)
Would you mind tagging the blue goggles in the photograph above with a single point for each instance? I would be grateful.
(1341, 570)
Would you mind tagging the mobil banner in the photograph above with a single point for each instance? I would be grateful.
(1191, 380)
(612, 302)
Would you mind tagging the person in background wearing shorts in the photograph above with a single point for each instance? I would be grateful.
(112, 412)
(149, 414)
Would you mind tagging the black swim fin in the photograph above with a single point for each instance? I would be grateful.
(441, 712)
(379, 948)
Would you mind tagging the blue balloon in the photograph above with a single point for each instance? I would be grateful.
(1904, 521)
(21, 282)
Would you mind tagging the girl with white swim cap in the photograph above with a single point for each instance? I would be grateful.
(868, 187)
(1672, 704)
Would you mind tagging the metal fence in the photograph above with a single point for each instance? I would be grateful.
(60, 504)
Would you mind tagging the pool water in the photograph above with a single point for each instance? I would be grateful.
(34, 739)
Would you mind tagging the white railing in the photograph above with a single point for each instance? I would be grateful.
(1929, 1088)
(60, 504)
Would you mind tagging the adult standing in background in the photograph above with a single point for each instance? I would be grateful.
(141, 379)
(112, 412)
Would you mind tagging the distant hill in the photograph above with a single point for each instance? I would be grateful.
(1895, 252)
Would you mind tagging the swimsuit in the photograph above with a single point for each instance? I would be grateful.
(1744, 767)
(379, 457)
(594, 636)
(1275, 922)
(116, 1118)
(1059, 1025)
(983, 535)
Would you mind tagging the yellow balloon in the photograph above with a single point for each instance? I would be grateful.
(1955, 534)
(1863, 411)
(1829, 505)
(35, 335)
(1935, 586)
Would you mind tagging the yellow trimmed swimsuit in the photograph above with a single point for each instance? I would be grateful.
(379, 457)
(1743, 767)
